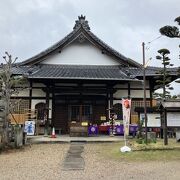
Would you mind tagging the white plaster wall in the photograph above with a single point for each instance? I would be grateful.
(139, 93)
(38, 85)
(81, 53)
(138, 84)
(120, 94)
(24, 93)
(121, 86)
(38, 93)
(134, 93)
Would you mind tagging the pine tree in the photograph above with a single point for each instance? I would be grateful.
(163, 75)
(163, 82)
(172, 32)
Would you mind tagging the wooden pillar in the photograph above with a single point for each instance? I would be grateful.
(129, 90)
(111, 98)
(80, 102)
(112, 111)
(30, 94)
(47, 101)
(47, 111)
(107, 105)
(53, 106)
(150, 93)
(165, 127)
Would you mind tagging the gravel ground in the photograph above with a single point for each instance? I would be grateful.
(44, 162)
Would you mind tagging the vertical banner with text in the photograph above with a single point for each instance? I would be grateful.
(126, 107)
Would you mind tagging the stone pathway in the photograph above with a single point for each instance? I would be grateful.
(73, 159)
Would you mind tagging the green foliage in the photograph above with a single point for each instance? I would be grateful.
(177, 20)
(158, 57)
(164, 52)
(164, 78)
(139, 140)
(170, 31)
(177, 81)
(140, 128)
(174, 97)
(171, 88)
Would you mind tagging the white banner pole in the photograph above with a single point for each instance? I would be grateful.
(126, 106)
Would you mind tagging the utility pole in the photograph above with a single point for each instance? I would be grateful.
(144, 89)
(164, 97)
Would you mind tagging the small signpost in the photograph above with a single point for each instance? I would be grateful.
(29, 127)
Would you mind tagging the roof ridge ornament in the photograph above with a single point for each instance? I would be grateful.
(81, 22)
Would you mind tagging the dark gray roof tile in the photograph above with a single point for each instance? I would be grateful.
(150, 71)
(79, 72)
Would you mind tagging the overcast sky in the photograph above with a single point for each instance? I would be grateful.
(30, 26)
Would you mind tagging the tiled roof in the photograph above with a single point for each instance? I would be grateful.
(86, 72)
(81, 27)
(26, 70)
(46, 71)
(150, 71)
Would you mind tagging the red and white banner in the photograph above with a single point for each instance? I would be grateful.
(126, 107)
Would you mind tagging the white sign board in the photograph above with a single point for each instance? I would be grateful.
(173, 119)
(29, 127)
(153, 120)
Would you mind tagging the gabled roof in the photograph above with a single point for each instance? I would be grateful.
(81, 30)
(127, 69)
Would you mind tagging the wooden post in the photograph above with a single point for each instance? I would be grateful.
(30, 94)
(111, 107)
(47, 111)
(53, 105)
(165, 128)
(129, 91)
(144, 89)
(150, 92)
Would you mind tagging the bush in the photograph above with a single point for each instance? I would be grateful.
(139, 141)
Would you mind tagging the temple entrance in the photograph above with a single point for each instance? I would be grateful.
(71, 111)
(80, 113)
(79, 119)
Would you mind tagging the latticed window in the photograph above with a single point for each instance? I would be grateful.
(138, 104)
(134, 115)
(19, 106)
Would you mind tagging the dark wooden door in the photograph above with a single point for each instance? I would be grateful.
(80, 113)
(61, 118)
(98, 111)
